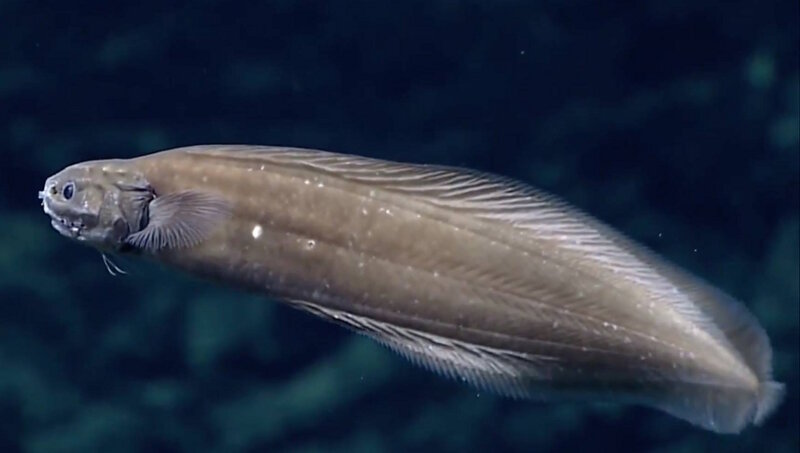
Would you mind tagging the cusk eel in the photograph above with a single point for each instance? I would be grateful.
(474, 276)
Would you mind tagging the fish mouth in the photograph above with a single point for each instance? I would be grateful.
(70, 229)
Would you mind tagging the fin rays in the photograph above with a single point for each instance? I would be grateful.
(524, 376)
(686, 306)
(179, 220)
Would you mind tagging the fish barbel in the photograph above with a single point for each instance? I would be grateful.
(471, 275)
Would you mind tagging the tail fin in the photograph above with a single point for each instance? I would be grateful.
(743, 333)
(748, 338)
(722, 409)
(770, 395)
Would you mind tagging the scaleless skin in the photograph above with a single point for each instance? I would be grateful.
(471, 275)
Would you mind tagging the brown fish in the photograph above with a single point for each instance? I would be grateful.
(474, 276)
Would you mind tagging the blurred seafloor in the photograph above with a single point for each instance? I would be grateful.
(675, 121)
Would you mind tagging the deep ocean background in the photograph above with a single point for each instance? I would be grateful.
(676, 121)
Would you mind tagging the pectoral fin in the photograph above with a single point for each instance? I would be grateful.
(180, 219)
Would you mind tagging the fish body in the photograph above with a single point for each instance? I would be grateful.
(474, 276)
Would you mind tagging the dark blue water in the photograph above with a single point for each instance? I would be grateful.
(675, 121)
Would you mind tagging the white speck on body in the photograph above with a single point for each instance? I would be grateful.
(257, 230)
(262, 168)
(306, 182)
(310, 244)
(320, 185)
(364, 211)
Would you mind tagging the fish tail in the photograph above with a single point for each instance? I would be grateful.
(725, 409)
(745, 336)
(770, 395)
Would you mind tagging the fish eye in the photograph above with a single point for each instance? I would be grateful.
(69, 190)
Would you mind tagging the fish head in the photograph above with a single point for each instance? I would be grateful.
(98, 203)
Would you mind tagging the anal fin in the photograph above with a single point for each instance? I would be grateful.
(497, 371)
(713, 406)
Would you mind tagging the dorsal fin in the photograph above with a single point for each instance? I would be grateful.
(543, 217)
